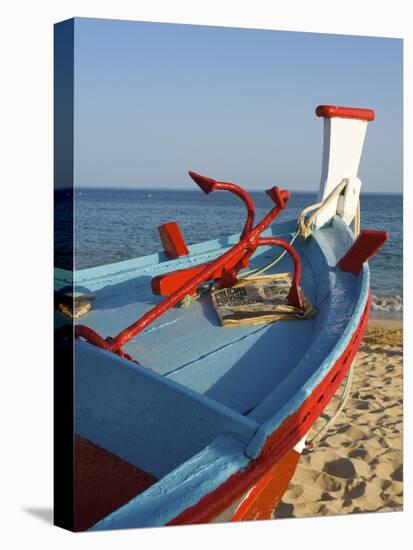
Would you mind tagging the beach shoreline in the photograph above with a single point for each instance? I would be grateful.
(358, 466)
(390, 320)
(385, 323)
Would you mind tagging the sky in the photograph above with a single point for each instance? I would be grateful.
(152, 101)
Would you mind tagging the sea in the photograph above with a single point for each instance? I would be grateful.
(119, 224)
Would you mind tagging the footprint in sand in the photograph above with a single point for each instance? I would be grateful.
(329, 483)
(358, 465)
(341, 467)
(360, 453)
(354, 489)
(397, 475)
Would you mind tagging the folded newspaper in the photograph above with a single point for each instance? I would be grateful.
(257, 300)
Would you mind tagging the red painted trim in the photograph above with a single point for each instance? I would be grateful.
(241, 513)
(295, 297)
(364, 247)
(163, 285)
(173, 242)
(170, 282)
(280, 442)
(265, 496)
(330, 111)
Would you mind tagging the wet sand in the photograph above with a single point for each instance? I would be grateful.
(358, 466)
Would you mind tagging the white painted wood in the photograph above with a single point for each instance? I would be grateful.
(342, 147)
(347, 203)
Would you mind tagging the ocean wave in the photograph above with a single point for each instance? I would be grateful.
(387, 303)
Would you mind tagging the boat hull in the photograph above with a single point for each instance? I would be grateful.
(228, 412)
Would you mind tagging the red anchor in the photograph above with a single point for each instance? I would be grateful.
(225, 268)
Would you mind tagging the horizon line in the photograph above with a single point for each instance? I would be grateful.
(194, 189)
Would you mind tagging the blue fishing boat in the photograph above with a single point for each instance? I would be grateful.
(181, 420)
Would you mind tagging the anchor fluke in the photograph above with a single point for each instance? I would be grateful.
(206, 184)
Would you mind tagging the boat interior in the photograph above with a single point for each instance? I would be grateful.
(194, 376)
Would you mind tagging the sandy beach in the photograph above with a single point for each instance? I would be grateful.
(358, 466)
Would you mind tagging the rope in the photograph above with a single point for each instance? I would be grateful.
(311, 443)
(260, 270)
(304, 225)
(188, 300)
(304, 230)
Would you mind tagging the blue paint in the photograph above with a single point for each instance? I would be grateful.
(206, 381)
(182, 488)
(344, 301)
(146, 419)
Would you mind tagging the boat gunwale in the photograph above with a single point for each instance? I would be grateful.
(214, 503)
(131, 267)
(294, 402)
